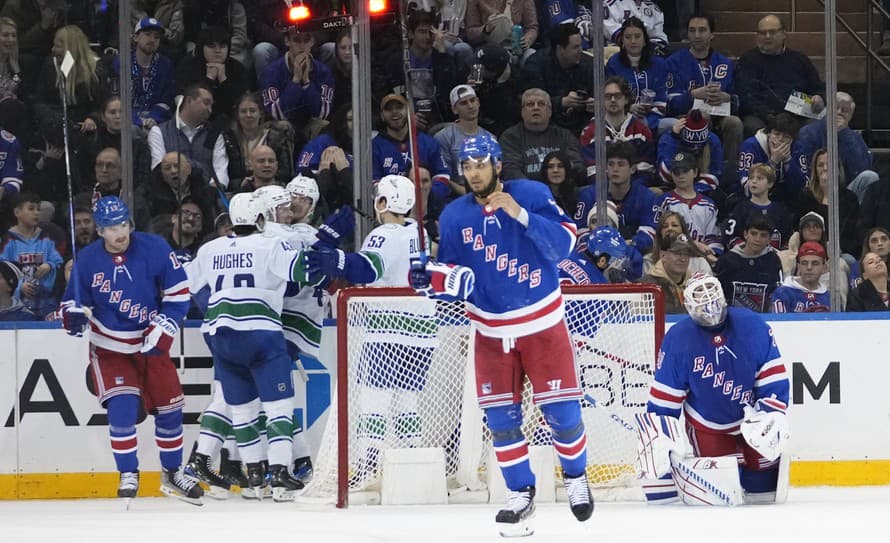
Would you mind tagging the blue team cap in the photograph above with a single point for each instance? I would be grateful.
(147, 23)
(480, 148)
(110, 211)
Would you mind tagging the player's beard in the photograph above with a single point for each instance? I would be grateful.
(488, 189)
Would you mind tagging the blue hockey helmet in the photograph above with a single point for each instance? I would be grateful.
(480, 148)
(110, 211)
(605, 240)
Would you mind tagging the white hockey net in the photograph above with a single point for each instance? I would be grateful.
(401, 355)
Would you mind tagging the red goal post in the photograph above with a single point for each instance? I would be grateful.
(391, 336)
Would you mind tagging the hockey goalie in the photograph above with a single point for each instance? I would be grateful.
(721, 369)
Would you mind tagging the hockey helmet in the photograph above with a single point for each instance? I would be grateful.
(241, 210)
(704, 300)
(110, 211)
(605, 240)
(266, 201)
(303, 185)
(399, 193)
(480, 148)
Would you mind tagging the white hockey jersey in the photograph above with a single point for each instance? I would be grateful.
(247, 277)
(617, 11)
(389, 248)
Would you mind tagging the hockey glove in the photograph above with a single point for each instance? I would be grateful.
(765, 431)
(338, 225)
(441, 281)
(158, 337)
(75, 320)
(325, 263)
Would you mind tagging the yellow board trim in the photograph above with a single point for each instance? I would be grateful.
(42, 486)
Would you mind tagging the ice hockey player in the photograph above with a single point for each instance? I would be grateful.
(601, 260)
(247, 274)
(512, 235)
(721, 368)
(389, 394)
(131, 291)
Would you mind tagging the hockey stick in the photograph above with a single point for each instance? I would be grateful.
(60, 70)
(585, 343)
(615, 418)
(412, 129)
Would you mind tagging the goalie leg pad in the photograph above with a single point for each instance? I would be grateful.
(660, 491)
(510, 446)
(657, 437)
(707, 481)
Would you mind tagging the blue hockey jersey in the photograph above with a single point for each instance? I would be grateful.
(668, 146)
(394, 157)
(793, 297)
(653, 78)
(310, 156)
(737, 221)
(636, 213)
(30, 253)
(517, 282)
(285, 99)
(126, 290)
(576, 269)
(686, 73)
(711, 375)
(791, 175)
(11, 170)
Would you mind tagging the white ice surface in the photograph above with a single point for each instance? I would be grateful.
(812, 515)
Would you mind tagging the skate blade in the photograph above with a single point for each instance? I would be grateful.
(523, 528)
(127, 503)
(284, 495)
(217, 493)
(254, 493)
(174, 494)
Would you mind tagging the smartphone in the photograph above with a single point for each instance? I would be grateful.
(582, 94)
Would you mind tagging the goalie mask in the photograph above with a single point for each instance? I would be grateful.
(241, 210)
(398, 191)
(704, 300)
(267, 201)
(306, 187)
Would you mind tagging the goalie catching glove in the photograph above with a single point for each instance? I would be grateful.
(765, 428)
(158, 337)
(441, 281)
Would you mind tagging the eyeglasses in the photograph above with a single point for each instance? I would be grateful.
(613, 96)
(187, 213)
(537, 103)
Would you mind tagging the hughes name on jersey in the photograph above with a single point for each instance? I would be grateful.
(517, 283)
(126, 290)
(712, 375)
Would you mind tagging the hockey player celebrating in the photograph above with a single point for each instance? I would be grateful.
(389, 397)
(512, 235)
(132, 292)
(247, 274)
(721, 368)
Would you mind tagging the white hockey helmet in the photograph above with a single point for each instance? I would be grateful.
(267, 199)
(399, 193)
(302, 185)
(241, 210)
(704, 300)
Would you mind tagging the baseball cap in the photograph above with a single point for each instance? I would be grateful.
(147, 23)
(812, 216)
(678, 243)
(460, 92)
(811, 248)
(494, 58)
(684, 161)
(393, 97)
(11, 273)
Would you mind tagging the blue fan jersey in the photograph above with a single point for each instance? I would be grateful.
(636, 213)
(686, 73)
(389, 156)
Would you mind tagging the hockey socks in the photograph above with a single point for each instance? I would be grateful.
(510, 446)
(568, 435)
(122, 414)
(280, 430)
(216, 424)
(246, 425)
(168, 436)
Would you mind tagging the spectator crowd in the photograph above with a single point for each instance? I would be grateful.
(706, 169)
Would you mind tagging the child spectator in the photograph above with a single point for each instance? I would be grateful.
(804, 292)
(698, 210)
(11, 307)
(751, 271)
(692, 136)
(27, 246)
(761, 179)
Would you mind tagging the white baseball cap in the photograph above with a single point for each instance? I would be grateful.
(460, 92)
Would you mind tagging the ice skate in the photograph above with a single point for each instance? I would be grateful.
(128, 487)
(176, 484)
(514, 520)
(231, 471)
(284, 487)
(218, 486)
(580, 498)
(303, 469)
(257, 486)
